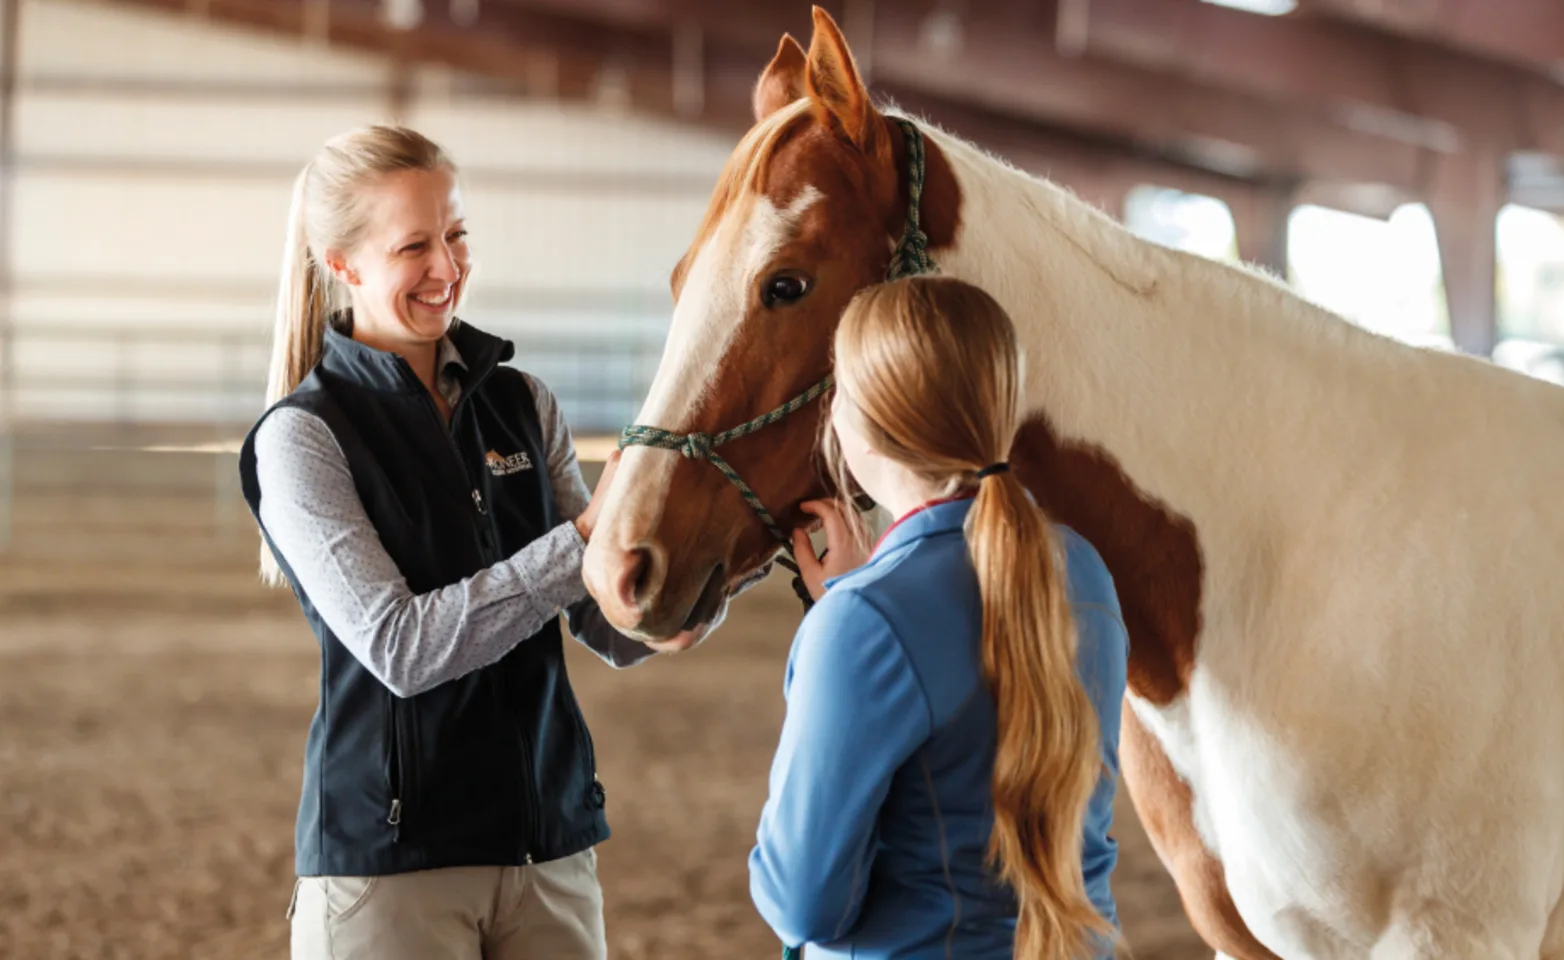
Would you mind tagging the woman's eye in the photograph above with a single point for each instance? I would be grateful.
(458, 235)
(413, 247)
(784, 288)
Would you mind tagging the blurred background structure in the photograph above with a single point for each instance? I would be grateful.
(1400, 161)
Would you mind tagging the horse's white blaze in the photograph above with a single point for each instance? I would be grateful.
(708, 313)
(707, 317)
(1374, 733)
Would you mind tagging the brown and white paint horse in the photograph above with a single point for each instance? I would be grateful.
(1339, 557)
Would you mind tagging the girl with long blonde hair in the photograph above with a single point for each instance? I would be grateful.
(945, 778)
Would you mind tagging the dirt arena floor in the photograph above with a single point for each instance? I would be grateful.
(153, 707)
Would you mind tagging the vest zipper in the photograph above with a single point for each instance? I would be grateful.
(397, 774)
(446, 431)
(530, 778)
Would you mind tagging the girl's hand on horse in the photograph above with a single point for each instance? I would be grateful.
(843, 551)
(587, 522)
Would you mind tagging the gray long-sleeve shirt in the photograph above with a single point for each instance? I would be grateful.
(414, 642)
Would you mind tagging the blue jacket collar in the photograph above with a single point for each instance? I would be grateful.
(942, 516)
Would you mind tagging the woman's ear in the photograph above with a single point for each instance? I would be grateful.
(339, 268)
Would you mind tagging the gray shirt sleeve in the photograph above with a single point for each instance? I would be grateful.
(585, 618)
(414, 642)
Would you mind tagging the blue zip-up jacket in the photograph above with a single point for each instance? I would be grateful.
(873, 840)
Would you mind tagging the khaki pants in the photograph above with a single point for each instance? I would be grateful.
(548, 910)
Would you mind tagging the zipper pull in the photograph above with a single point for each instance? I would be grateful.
(396, 813)
(477, 500)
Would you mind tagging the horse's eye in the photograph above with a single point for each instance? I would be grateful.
(784, 288)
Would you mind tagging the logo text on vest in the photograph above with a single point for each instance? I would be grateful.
(500, 466)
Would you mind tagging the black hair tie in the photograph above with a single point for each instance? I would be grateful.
(993, 468)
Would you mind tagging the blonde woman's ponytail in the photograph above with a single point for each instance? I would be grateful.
(300, 327)
(299, 331)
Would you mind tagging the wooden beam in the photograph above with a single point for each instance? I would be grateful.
(10, 50)
(1406, 89)
(1260, 220)
(1468, 191)
(1529, 32)
(586, 181)
(998, 67)
(503, 44)
(1102, 167)
(1006, 61)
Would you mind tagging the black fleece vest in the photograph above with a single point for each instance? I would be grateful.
(493, 768)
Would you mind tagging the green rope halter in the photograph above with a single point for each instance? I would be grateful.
(700, 446)
(911, 257)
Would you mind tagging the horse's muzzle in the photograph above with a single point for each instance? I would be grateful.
(630, 586)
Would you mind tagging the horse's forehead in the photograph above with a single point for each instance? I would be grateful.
(800, 164)
(753, 228)
(809, 159)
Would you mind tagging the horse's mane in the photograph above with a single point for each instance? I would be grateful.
(1146, 268)
(1096, 235)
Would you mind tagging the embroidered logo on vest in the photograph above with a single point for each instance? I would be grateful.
(501, 466)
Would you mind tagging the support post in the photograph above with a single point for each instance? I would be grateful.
(1260, 219)
(1465, 194)
(10, 46)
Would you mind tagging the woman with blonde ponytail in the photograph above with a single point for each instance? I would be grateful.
(422, 499)
(945, 779)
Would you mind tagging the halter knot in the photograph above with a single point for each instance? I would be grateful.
(696, 446)
(912, 257)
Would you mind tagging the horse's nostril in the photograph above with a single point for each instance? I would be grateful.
(633, 576)
(640, 570)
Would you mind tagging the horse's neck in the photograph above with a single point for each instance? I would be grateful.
(1152, 355)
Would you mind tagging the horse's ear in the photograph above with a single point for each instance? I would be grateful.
(834, 83)
(782, 81)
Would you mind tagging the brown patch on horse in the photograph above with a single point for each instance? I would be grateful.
(1165, 806)
(1152, 552)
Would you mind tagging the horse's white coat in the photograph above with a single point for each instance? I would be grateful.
(1374, 730)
